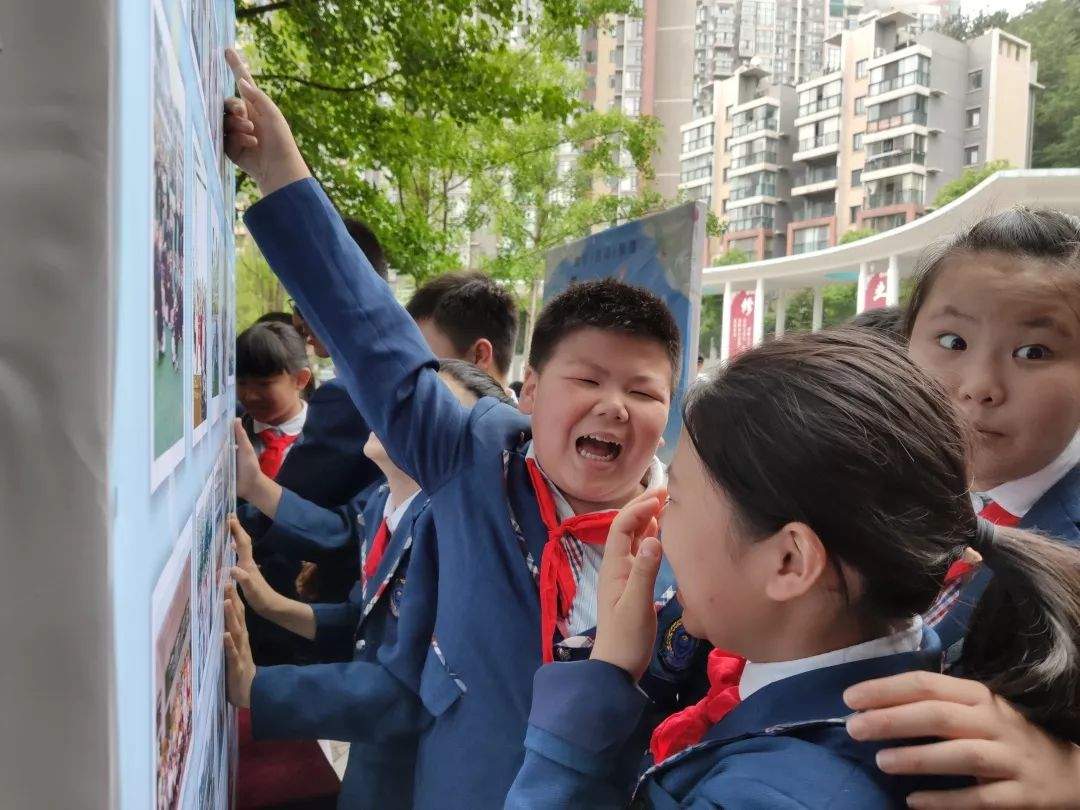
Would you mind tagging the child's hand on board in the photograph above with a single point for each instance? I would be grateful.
(626, 616)
(247, 463)
(257, 136)
(262, 598)
(1016, 764)
(239, 664)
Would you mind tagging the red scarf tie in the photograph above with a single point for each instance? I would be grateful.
(275, 443)
(378, 549)
(557, 583)
(687, 727)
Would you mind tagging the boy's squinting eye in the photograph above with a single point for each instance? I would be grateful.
(586, 381)
(952, 342)
(1034, 351)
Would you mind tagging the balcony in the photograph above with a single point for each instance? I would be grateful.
(819, 105)
(815, 211)
(809, 246)
(821, 174)
(753, 159)
(751, 224)
(909, 79)
(760, 125)
(900, 197)
(827, 139)
(888, 160)
(746, 192)
(913, 117)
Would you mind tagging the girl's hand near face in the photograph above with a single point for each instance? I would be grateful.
(626, 615)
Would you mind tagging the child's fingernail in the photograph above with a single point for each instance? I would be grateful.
(885, 759)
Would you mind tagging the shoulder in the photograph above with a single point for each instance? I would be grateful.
(784, 771)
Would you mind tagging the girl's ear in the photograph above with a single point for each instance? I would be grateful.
(798, 564)
(302, 378)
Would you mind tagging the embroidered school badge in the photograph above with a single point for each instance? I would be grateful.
(397, 590)
(677, 651)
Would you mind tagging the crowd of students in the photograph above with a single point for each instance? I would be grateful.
(857, 585)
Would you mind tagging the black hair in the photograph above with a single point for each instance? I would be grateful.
(467, 307)
(886, 321)
(268, 349)
(1039, 233)
(474, 380)
(369, 244)
(610, 305)
(786, 426)
(276, 317)
(516, 387)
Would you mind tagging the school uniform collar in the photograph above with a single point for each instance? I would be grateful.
(393, 516)
(1019, 496)
(757, 676)
(655, 476)
(290, 427)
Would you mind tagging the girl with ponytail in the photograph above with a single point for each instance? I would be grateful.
(817, 499)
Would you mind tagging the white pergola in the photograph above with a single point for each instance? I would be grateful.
(891, 252)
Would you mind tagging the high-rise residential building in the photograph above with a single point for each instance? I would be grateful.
(642, 64)
(868, 145)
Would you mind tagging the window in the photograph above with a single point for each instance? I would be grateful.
(974, 80)
(856, 178)
(856, 141)
(973, 117)
(860, 105)
(971, 155)
(727, 112)
(853, 212)
(860, 69)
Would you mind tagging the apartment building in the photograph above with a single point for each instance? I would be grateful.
(867, 145)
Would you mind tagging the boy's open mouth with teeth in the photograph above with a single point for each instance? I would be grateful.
(597, 447)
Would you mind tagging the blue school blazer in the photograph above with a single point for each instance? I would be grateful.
(476, 680)
(327, 465)
(785, 747)
(1056, 514)
(371, 702)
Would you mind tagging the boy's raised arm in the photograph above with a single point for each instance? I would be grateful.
(378, 350)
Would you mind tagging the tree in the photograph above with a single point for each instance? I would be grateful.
(258, 290)
(556, 186)
(1053, 29)
(395, 105)
(962, 27)
(855, 234)
(967, 181)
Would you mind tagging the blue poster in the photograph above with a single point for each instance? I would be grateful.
(663, 252)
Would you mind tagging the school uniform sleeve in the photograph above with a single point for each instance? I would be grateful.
(378, 351)
(358, 701)
(585, 739)
(302, 530)
(335, 626)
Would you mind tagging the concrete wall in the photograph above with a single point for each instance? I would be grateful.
(672, 72)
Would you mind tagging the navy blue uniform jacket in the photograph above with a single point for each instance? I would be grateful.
(477, 677)
(371, 701)
(1056, 514)
(785, 747)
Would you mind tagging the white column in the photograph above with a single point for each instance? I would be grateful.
(725, 323)
(860, 291)
(819, 306)
(892, 282)
(759, 311)
(781, 312)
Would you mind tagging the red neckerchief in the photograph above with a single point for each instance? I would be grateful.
(378, 548)
(557, 583)
(687, 727)
(275, 443)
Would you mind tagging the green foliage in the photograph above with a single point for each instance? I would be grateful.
(405, 111)
(712, 313)
(732, 256)
(838, 304)
(257, 289)
(962, 27)
(967, 181)
(855, 234)
(1053, 29)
